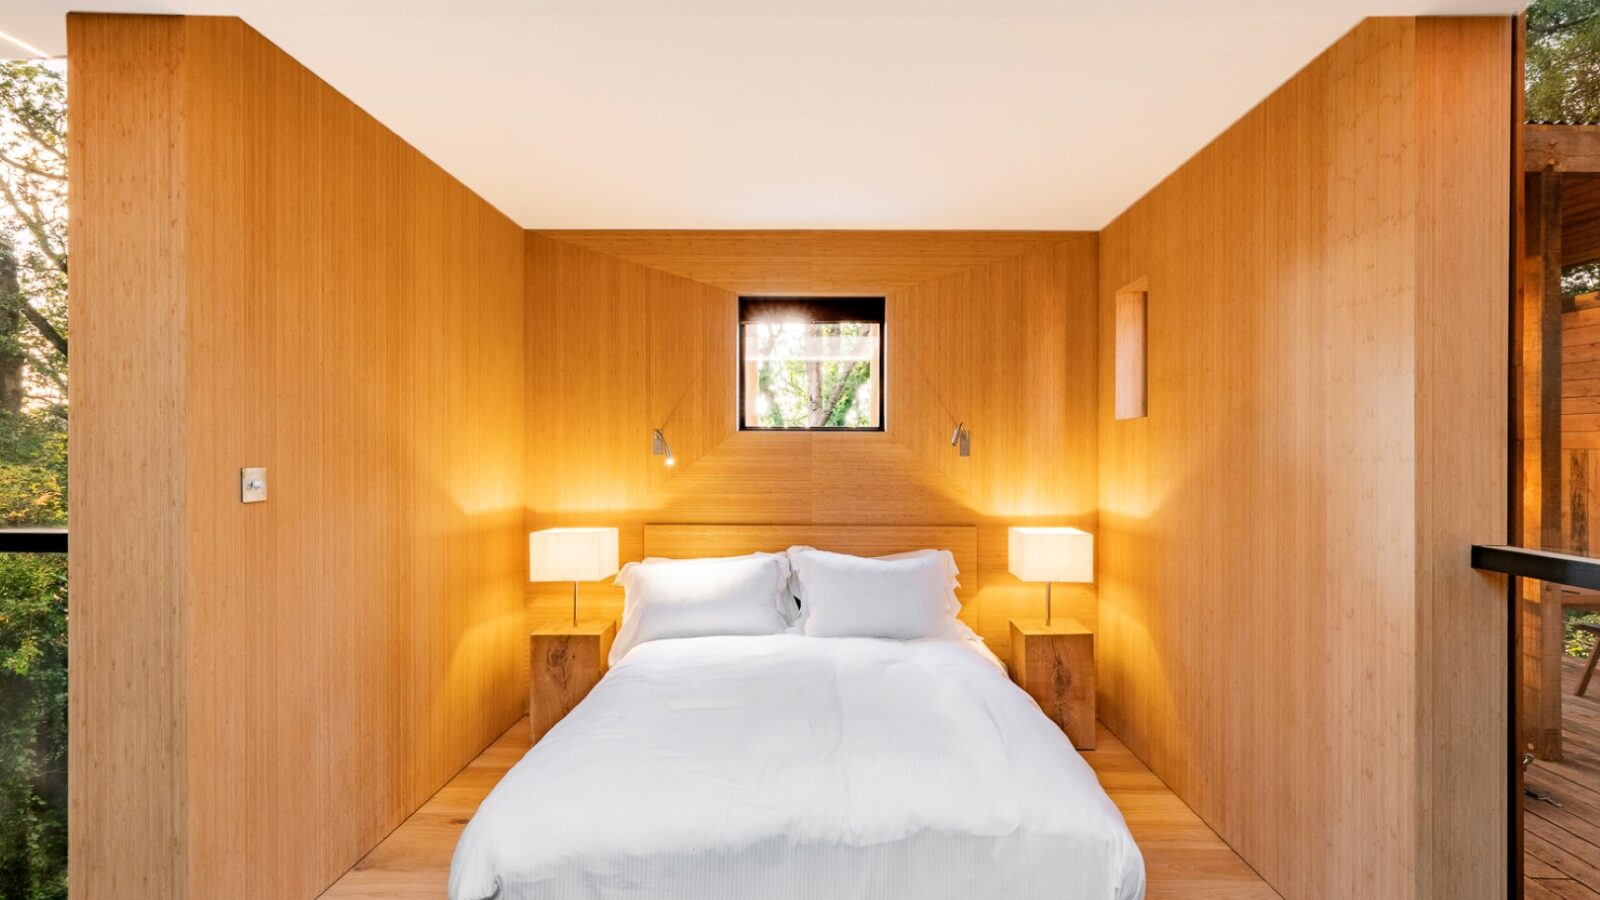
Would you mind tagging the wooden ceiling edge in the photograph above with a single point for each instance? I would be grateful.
(556, 237)
(1071, 238)
(1050, 239)
(565, 234)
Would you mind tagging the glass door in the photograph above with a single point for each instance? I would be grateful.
(1554, 598)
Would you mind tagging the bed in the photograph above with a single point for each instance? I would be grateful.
(788, 766)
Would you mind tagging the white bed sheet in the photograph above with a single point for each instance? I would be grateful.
(800, 768)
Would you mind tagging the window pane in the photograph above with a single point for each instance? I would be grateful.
(803, 374)
(33, 478)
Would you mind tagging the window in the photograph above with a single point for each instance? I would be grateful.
(811, 364)
(33, 479)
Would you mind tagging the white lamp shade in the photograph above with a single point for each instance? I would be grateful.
(1051, 554)
(572, 554)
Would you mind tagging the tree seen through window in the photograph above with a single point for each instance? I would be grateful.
(811, 364)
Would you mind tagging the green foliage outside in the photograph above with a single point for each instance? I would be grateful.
(33, 480)
(1579, 643)
(33, 726)
(1563, 61)
(796, 390)
(1563, 83)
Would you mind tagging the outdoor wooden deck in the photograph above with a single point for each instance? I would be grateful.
(1562, 845)
(1183, 858)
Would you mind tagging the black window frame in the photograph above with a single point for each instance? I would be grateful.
(819, 311)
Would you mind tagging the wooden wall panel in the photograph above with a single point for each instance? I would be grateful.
(840, 263)
(1580, 380)
(344, 648)
(1580, 219)
(1000, 336)
(1463, 322)
(1290, 634)
(126, 650)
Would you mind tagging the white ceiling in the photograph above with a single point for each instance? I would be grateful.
(798, 114)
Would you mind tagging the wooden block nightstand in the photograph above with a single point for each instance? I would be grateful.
(566, 662)
(1055, 665)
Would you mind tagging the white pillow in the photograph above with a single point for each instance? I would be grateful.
(905, 596)
(699, 597)
(788, 604)
(798, 589)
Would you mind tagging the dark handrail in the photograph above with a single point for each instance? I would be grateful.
(33, 540)
(1541, 565)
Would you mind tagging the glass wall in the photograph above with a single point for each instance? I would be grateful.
(33, 480)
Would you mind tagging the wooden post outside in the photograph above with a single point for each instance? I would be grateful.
(1539, 458)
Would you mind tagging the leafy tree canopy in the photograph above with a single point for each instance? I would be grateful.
(1563, 61)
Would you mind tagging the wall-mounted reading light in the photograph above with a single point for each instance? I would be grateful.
(962, 438)
(660, 447)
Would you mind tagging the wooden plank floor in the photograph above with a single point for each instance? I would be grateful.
(1561, 855)
(1183, 858)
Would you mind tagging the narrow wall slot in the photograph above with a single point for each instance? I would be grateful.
(1132, 375)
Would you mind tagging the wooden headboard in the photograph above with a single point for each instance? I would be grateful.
(688, 541)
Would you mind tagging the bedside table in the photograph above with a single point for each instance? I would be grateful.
(566, 661)
(1055, 665)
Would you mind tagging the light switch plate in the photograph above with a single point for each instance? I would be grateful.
(253, 484)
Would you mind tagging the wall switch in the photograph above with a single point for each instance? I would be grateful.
(253, 484)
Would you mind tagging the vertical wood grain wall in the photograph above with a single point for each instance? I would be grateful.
(631, 331)
(1291, 635)
(1288, 631)
(264, 275)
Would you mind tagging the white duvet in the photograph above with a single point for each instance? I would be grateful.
(782, 766)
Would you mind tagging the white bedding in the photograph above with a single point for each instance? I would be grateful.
(800, 768)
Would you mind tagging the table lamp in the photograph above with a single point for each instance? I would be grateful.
(572, 554)
(1050, 555)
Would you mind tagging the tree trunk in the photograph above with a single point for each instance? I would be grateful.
(764, 385)
(816, 415)
(12, 354)
(836, 396)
